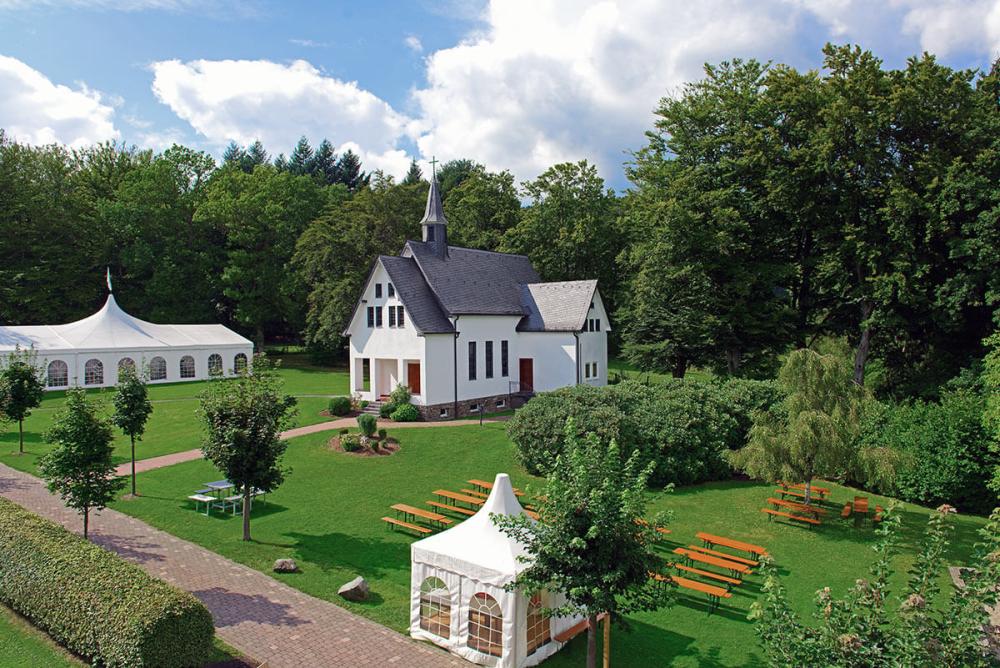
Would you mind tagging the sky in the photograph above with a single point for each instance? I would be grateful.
(513, 84)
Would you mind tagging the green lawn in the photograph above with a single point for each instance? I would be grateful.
(21, 644)
(326, 516)
(630, 371)
(173, 426)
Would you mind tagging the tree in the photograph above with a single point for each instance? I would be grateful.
(814, 432)
(132, 407)
(592, 542)
(414, 175)
(452, 173)
(21, 389)
(244, 418)
(301, 161)
(80, 466)
(481, 209)
(349, 171)
(991, 415)
(324, 164)
(870, 627)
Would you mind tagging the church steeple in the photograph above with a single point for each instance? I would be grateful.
(434, 223)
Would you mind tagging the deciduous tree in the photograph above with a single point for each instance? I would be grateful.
(21, 389)
(132, 407)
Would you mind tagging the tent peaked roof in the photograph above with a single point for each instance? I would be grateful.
(476, 547)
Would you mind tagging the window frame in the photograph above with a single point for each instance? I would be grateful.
(371, 317)
(538, 631)
(472, 360)
(221, 365)
(485, 614)
(400, 322)
(390, 290)
(378, 291)
(193, 372)
(155, 369)
(93, 374)
(504, 359)
(378, 317)
(392, 316)
(488, 373)
(237, 367)
(63, 367)
(441, 606)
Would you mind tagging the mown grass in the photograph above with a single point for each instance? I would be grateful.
(21, 644)
(174, 425)
(327, 517)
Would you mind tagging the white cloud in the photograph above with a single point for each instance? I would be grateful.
(37, 111)
(947, 26)
(245, 100)
(414, 44)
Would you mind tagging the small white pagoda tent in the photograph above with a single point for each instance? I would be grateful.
(91, 351)
(458, 600)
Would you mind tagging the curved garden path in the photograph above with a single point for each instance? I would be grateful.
(189, 455)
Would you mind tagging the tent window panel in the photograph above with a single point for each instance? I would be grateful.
(240, 363)
(58, 374)
(93, 372)
(215, 364)
(485, 625)
(157, 369)
(125, 363)
(538, 624)
(187, 367)
(435, 607)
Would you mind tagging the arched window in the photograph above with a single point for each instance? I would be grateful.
(215, 364)
(240, 363)
(58, 374)
(435, 607)
(125, 362)
(485, 624)
(157, 369)
(187, 367)
(538, 624)
(93, 372)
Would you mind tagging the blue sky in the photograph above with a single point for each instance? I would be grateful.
(517, 84)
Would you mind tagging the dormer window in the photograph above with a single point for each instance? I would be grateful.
(378, 290)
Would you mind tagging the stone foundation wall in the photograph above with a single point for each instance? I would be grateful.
(488, 404)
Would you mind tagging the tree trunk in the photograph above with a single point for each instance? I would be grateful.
(680, 367)
(733, 361)
(592, 641)
(20, 436)
(607, 641)
(133, 464)
(86, 522)
(864, 345)
(259, 339)
(808, 491)
(246, 513)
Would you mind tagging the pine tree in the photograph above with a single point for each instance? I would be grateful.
(234, 155)
(281, 163)
(255, 155)
(351, 175)
(302, 158)
(415, 175)
(324, 164)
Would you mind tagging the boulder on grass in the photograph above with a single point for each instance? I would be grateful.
(355, 590)
(286, 566)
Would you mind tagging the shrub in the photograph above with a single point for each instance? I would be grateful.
(95, 603)
(382, 434)
(364, 404)
(344, 430)
(350, 442)
(401, 395)
(339, 406)
(386, 410)
(367, 424)
(742, 398)
(406, 413)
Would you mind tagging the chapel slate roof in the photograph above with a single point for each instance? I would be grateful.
(556, 307)
(469, 281)
(422, 306)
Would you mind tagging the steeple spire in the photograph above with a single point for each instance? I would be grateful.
(434, 222)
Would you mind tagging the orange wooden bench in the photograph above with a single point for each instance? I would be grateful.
(797, 518)
(723, 555)
(576, 629)
(734, 568)
(472, 492)
(878, 514)
(795, 506)
(662, 530)
(393, 522)
(846, 512)
(448, 506)
(709, 574)
(714, 593)
(755, 551)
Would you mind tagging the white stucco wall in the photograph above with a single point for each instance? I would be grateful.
(594, 345)
(554, 358)
(483, 328)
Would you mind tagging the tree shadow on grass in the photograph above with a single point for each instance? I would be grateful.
(230, 608)
(370, 556)
(694, 601)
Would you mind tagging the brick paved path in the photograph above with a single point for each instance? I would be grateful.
(188, 455)
(254, 613)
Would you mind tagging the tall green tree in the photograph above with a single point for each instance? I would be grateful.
(991, 415)
(132, 407)
(80, 466)
(481, 209)
(244, 418)
(349, 171)
(451, 174)
(21, 389)
(414, 174)
(324, 164)
(301, 161)
(591, 541)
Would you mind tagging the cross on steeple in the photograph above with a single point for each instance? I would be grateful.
(434, 161)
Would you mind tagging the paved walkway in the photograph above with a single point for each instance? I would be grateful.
(189, 455)
(254, 613)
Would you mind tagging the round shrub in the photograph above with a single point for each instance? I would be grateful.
(386, 410)
(350, 442)
(367, 424)
(382, 434)
(401, 395)
(339, 406)
(406, 413)
(344, 430)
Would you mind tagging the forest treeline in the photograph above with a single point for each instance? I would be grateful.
(769, 207)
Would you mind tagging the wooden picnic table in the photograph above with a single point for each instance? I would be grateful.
(409, 511)
(861, 505)
(718, 562)
(455, 496)
(799, 507)
(822, 491)
(488, 486)
(796, 492)
(751, 549)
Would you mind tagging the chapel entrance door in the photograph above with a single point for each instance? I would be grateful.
(526, 370)
(413, 376)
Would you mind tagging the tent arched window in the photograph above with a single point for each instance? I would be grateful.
(240, 363)
(485, 624)
(215, 364)
(93, 372)
(538, 624)
(126, 362)
(57, 374)
(187, 367)
(435, 607)
(157, 369)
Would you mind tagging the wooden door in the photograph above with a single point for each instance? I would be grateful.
(413, 376)
(526, 371)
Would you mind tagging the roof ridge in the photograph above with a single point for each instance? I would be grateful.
(472, 250)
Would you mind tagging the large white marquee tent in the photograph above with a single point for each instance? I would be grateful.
(457, 595)
(91, 351)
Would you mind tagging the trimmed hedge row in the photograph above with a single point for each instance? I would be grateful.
(95, 603)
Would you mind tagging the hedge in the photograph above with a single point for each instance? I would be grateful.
(95, 603)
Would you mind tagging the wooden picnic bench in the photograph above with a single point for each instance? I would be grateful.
(798, 518)
(482, 484)
(713, 592)
(472, 492)
(455, 496)
(733, 567)
(798, 507)
(393, 522)
(878, 514)
(722, 555)
(754, 551)
(576, 629)
(846, 512)
(407, 511)
(729, 581)
(821, 491)
(456, 509)
(661, 530)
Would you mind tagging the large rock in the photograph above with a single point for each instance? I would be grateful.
(286, 566)
(355, 590)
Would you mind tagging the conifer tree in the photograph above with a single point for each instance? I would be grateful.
(324, 164)
(349, 168)
(414, 175)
